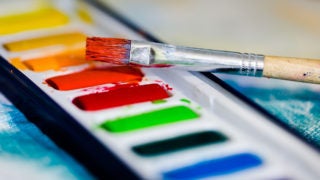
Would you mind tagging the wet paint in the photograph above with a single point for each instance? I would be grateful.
(150, 119)
(43, 18)
(65, 39)
(95, 76)
(215, 167)
(56, 61)
(179, 143)
(120, 97)
(16, 62)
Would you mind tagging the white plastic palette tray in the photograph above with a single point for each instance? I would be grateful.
(226, 139)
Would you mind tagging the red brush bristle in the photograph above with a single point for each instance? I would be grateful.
(111, 50)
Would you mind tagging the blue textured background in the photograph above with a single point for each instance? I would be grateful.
(26, 153)
(294, 103)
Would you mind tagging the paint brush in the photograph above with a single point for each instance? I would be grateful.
(150, 54)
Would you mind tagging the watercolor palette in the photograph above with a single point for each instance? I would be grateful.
(119, 120)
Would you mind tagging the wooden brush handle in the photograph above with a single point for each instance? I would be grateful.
(295, 69)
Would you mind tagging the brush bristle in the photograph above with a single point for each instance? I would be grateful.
(111, 50)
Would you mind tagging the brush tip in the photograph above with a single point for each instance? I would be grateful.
(111, 50)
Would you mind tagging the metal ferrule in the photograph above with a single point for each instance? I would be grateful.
(195, 59)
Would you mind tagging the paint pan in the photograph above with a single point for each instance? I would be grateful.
(216, 167)
(150, 119)
(94, 77)
(43, 18)
(120, 97)
(54, 61)
(179, 143)
(65, 39)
